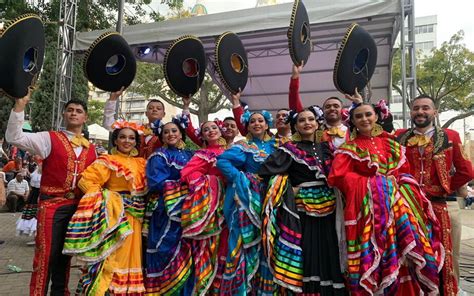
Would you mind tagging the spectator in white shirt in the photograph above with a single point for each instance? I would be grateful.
(17, 193)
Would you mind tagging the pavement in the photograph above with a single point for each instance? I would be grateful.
(15, 252)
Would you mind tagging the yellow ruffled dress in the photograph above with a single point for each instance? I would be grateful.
(105, 231)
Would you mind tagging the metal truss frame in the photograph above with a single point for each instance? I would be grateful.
(64, 59)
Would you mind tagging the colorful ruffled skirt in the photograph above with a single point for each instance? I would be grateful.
(184, 239)
(392, 246)
(300, 239)
(105, 235)
(246, 269)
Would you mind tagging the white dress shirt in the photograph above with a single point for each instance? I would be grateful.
(35, 179)
(35, 143)
(109, 113)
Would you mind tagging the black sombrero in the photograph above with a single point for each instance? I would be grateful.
(21, 54)
(185, 65)
(299, 34)
(231, 62)
(109, 63)
(355, 61)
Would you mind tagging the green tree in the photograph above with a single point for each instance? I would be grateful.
(42, 98)
(150, 82)
(95, 112)
(447, 75)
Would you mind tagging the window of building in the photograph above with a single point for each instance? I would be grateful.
(397, 115)
(425, 46)
(424, 29)
(396, 99)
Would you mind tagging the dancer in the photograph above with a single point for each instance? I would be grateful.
(165, 232)
(245, 270)
(439, 164)
(65, 155)
(392, 234)
(202, 219)
(105, 231)
(228, 126)
(299, 226)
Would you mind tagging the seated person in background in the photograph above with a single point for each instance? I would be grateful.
(17, 192)
(13, 165)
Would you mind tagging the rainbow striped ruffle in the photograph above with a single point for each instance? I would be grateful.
(281, 235)
(201, 213)
(98, 226)
(242, 209)
(387, 235)
(316, 201)
(169, 257)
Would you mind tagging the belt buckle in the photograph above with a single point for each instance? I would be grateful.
(70, 195)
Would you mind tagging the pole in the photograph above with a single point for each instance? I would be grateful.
(120, 16)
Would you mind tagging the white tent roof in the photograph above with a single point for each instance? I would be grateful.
(263, 32)
(97, 132)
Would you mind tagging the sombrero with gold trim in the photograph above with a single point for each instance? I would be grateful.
(355, 61)
(231, 62)
(21, 54)
(184, 65)
(299, 34)
(109, 63)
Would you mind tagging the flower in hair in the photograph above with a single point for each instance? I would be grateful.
(121, 123)
(383, 109)
(292, 114)
(181, 120)
(220, 124)
(318, 112)
(245, 118)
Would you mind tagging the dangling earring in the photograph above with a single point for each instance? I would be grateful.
(249, 137)
(133, 152)
(353, 133)
(296, 137)
(222, 142)
(377, 130)
(318, 136)
(180, 145)
(113, 151)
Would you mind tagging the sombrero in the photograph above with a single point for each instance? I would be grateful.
(231, 62)
(299, 34)
(185, 65)
(109, 63)
(355, 61)
(21, 54)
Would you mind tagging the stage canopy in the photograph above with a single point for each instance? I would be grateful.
(263, 31)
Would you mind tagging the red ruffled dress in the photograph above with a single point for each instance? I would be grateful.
(392, 233)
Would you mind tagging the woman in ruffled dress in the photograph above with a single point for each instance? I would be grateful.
(246, 271)
(164, 228)
(202, 220)
(302, 216)
(392, 234)
(194, 208)
(26, 225)
(105, 232)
